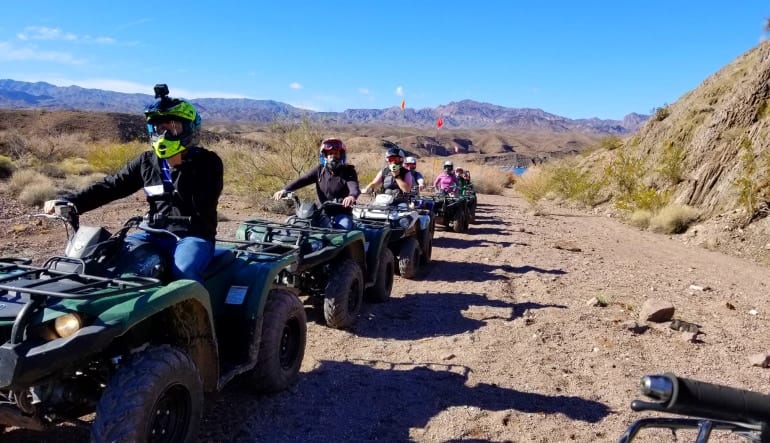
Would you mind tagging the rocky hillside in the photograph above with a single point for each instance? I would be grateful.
(466, 114)
(730, 109)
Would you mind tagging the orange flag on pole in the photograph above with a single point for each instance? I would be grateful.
(439, 122)
(403, 104)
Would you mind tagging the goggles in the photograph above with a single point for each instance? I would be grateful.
(168, 130)
(332, 145)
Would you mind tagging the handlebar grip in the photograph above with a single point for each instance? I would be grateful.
(719, 402)
(179, 218)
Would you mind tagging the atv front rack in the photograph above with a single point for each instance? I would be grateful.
(33, 286)
(314, 243)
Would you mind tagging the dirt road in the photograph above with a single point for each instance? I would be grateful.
(496, 342)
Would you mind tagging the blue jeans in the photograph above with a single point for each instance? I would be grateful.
(191, 254)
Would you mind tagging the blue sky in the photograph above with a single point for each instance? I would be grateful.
(575, 59)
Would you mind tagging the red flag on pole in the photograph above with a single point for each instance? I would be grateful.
(403, 103)
(439, 122)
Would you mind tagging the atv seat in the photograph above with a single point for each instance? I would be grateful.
(221, 259)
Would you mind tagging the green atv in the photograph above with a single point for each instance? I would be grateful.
(453, 211)
(103, 329)
(335, 267)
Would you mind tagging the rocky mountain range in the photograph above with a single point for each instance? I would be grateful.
(465, 114)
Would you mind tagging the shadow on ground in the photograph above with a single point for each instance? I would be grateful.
(449, 271)
(376, 400)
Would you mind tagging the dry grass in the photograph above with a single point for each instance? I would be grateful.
(640, 218)
(533, 185)
(31, 187)
(110, 158)
(673, 219)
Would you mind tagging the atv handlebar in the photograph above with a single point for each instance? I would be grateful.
(701, 399)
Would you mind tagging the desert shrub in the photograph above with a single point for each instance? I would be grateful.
(640, 218)
(673, 219)
(21, 178)
(78, 182)
(256, 171)
(533, 185)
(625, 171)
(56, 147)
(648, 199)
(6, 167)
(660, 114)
(28, 179)
(36, 193)
(569, 182)
(110, 158)
(13, 144)
(672, 162)
(610, 143)
(75, 166)
(491, 180)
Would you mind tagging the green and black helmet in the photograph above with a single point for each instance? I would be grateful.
(165, 109)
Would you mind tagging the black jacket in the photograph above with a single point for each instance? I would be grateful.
(330, 185)
(194, 191)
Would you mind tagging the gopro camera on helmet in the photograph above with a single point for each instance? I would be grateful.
(161, 90)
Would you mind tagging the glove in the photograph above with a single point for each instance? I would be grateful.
(50, 206)
(394, 167)
(279, 195)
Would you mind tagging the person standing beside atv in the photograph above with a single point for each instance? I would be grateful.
(446, 181)
(394, 178)
(179, 179)
(334, 180)
(418, 181)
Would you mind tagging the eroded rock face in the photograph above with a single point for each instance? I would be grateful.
(711, 123)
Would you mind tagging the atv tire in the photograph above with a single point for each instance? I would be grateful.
(409, 258)
(282, 343)
(156, 396)
(383, 286)
(426, 246)
(459, 223)
(343, 295)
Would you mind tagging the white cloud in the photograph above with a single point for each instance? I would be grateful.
(364, 91)
(400, 91)
(45, 33)
(9, 52)
(295, 85)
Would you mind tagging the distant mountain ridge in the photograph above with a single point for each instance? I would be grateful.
(465, 114)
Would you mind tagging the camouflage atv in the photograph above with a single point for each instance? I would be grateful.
(103, 329)
(335, 267)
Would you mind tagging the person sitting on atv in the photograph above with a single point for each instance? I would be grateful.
(446, 181)
(462, 182)
(334, 180)
(418, 181)
(179, 178)
(394, 178)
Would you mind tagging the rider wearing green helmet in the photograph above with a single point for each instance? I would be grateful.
(179, 179)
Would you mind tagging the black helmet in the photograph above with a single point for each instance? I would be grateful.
(395, 152)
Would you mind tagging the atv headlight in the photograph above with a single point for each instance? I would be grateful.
(67, 324)
(405, 222)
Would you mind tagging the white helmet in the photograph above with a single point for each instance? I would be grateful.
(410, 161)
